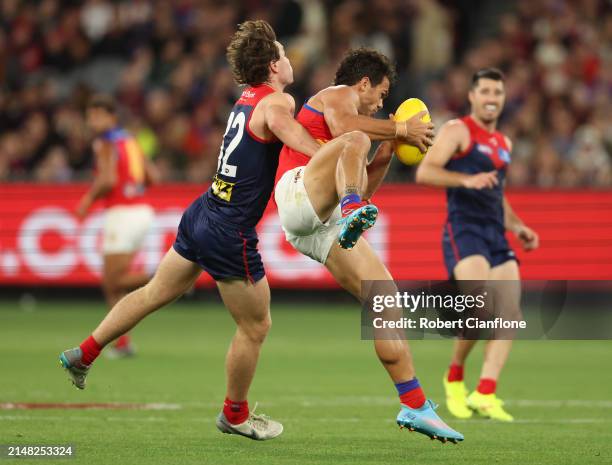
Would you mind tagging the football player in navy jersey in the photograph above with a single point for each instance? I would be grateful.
(217, 232)
(469, 157)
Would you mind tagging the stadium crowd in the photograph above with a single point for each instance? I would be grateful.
(165, 63)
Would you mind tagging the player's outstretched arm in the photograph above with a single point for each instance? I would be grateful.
(452, 138)
(279, 119)
(105, 178)
(528, 238)
(341, 115)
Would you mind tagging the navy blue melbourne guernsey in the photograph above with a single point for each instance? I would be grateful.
(218, 230)
(475, 224)
(247, 166)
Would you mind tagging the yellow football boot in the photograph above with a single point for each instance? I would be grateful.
(488, 406)
(456, 399)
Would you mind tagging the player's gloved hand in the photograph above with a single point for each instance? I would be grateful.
(528, 238)
(479, 181)
(415, 132)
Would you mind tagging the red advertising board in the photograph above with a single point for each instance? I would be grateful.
(43, 243)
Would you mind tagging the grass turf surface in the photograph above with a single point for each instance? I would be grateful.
(315, 375)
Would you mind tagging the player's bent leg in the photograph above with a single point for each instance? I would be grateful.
(338, 164)
(173, 278)
(484, 399)
(417, 413)
(338, 170)
(350, 270)
(249, 305)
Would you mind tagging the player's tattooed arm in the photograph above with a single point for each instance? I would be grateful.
(105, 178)
(453, 138)
(279, 119)
(528, 238)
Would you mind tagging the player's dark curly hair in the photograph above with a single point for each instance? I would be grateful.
(364, 62)
(250, 52)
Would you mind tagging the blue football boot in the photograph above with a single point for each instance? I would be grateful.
(355, 224)
(426, 421)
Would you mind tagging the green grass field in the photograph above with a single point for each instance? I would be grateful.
(315, 375)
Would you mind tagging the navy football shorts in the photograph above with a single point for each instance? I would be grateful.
(221, 249)
(462, 239)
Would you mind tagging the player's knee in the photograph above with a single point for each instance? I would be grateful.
(358, 140)
(257, 330)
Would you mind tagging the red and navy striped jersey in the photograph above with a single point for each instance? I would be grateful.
(247, 164)
(487, 151)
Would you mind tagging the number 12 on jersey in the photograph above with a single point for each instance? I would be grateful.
(235, 123)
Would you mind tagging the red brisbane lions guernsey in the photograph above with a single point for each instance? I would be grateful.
(314, 122)
(130, 169)
(487, 151)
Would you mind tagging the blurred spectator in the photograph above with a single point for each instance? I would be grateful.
(165, 62)
(54, 166)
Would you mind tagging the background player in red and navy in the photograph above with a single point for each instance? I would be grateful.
(469, 157)
(217, 232)
(122, 173)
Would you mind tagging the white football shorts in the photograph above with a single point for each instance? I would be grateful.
(125, 227)
(303, 228)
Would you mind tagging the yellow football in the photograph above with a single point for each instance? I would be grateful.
(409, 154)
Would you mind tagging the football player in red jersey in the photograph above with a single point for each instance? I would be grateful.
(469, 158)
(122, 174)
(324, 204)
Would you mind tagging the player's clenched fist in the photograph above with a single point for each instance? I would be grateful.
(528, 238)
(479, 181)
(415, 132)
